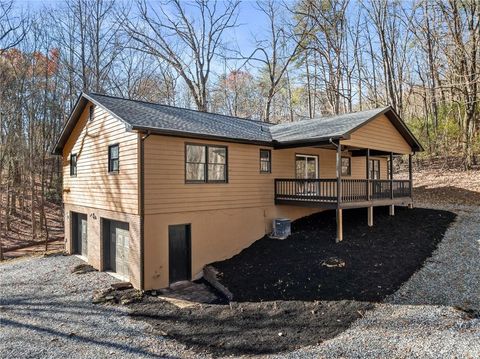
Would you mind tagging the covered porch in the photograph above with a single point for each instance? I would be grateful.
(368, 139)
(343, 192)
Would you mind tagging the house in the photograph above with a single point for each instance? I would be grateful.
(153, 193)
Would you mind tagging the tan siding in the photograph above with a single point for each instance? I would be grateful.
(93, 186)
(166, 190)
(359, 167)
(379, 134)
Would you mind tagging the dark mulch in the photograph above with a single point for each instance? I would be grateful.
(249, 328)
(285, 298)
(377, 259)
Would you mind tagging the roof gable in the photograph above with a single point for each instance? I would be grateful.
(379, 134)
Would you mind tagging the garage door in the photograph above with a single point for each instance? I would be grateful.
(117, 247)
(79, 233)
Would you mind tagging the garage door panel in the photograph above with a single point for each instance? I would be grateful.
(79, 233)
(118, 247)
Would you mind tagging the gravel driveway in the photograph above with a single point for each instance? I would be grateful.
(45, 312)
(420, 319)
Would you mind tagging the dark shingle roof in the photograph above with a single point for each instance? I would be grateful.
(322, 128)
(145, 116)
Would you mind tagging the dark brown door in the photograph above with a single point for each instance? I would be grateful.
(79, 231)
(179, 252)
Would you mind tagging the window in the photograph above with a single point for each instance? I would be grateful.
(265, 161)
(113, 158)
(306, 166)
(73, 165)
(90, 114)
(374, 169)
(204, 163)
(346, 166)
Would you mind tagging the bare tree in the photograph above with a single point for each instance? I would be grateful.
(463, 21)
(188, 38)
(277, 52)
(12, 27)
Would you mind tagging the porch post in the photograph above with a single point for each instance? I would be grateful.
(368, 174)
(370, 208)
(370, 216)
(392, 206)
(410, 178)
(339, 194)
(339, 225)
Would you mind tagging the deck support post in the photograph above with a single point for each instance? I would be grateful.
(410, 178)
(391, 175)
(367, 174)
(339, 193)
(339, 173)
(339, 225)
(370, 216)
(391, 210)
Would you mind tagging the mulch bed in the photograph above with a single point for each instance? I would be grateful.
(285, 294)
(249, 328)
(377, 259)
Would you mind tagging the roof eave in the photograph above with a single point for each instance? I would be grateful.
(307, 142)
(79, 106)
(69, 125)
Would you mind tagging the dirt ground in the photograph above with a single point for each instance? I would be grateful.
(35, 250)
(451, 187)
(18, 241)
(437, 183)
(284, 298)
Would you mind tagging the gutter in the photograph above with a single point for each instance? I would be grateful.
(308, 142)
(183, 134)
(142, 209)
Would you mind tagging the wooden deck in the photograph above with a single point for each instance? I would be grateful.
(354, 193)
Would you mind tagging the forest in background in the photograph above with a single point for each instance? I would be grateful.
(310, 58)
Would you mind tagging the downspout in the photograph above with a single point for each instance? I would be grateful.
(333, 142)
(142, 209)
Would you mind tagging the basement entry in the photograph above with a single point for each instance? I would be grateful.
(116, 247)
(79, 233)
(179, 258)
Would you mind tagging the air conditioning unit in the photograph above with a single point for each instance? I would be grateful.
(281, 228)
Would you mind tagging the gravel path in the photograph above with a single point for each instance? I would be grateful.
(420, 319)
(45, 312)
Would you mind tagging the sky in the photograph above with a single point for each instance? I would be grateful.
(252, 23)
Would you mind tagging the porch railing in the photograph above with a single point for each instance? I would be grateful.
(324, 190)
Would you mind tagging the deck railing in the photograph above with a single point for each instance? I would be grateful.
(324, 190)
